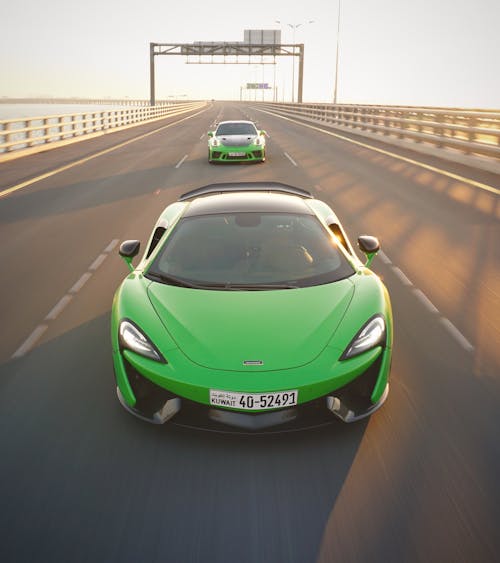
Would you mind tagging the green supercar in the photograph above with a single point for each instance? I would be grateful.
(238, 141)
(250, 310)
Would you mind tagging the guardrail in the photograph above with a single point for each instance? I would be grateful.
(470, 132)
(30, 132)
(90, 101)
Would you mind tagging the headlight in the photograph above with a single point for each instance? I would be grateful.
(215, 142)
(258, 141)
(133, 339)
(371, 335)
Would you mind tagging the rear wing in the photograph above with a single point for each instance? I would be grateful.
(275, 187)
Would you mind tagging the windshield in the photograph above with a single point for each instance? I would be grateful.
(236, 129)
(250, 250)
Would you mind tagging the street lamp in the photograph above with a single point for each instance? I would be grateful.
(337, 59)
(294, 26)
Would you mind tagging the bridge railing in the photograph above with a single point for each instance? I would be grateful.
(29, 132)
(469, 132)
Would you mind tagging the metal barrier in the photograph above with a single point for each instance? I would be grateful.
(472, 132)
(30, 132)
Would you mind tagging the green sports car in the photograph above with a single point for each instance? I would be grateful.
(236, 141)
(250, 309)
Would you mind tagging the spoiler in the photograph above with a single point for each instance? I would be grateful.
(275, 187)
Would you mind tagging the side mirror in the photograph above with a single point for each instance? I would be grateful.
(262, 133)
(128, 250)
(369, 246)
(210, 133)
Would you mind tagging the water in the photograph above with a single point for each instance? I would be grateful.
(18, 111)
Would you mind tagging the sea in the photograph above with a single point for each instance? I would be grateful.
(15, 111)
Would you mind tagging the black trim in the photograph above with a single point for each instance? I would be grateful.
(159, 232)
(149, 397)
(228, 187)
(356, 395)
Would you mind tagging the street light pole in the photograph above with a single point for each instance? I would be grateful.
(337, 59)
(294, 26)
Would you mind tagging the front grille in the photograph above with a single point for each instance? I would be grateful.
(257, 154)
(308, 415)
(246, 156)
(216, 154)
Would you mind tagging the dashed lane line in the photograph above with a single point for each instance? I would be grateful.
(457, 334)
(58, 308)
(111, 246)
(80, 283)
(55, 312)
(428, 304)
(97, 262)
(402, 276)
(179, 164)
(383, 256)
(290, 159)
(32, 339)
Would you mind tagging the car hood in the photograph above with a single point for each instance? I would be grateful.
(223, 329)
(236, 140)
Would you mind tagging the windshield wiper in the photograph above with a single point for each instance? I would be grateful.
(260, 286)
(172, 280)
(228, 286)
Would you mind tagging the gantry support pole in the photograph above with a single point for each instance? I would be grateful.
(301, 73)
(152, 100)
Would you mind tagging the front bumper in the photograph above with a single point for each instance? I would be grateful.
(250, 153)
(353, 400)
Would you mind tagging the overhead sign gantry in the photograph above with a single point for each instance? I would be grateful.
(258, 43)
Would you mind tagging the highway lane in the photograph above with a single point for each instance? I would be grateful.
(82, 480)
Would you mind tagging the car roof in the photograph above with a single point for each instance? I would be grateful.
(248, 201)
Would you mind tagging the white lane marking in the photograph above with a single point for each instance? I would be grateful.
(420, 295)
(181, 161)
(202, 136)
(30, 341)
(425, 301)
(56, 310)
(457, 334)
(290, 159)
(401, 276)
(383, 256)
(80, 283)
(63, 302)
(393, 155)
(97, 262)
(111, 245)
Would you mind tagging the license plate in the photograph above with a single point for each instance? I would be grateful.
(237, 154)
(253, 401)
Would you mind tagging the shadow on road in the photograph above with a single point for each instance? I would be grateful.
(82, 480)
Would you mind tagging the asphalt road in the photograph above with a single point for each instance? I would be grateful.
(83, 481)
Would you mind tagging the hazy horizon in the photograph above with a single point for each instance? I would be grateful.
(391, 52)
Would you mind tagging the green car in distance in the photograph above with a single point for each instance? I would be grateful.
(250, 310)
(236, 141)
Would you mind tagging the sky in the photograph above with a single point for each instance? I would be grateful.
(391, 52)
